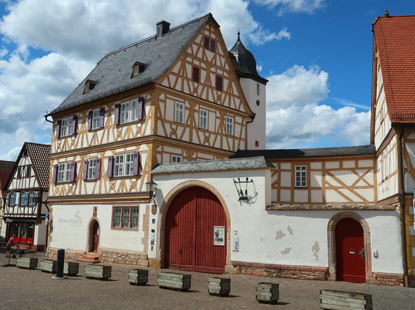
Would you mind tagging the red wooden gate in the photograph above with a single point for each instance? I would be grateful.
(350, 251)
(190, 224)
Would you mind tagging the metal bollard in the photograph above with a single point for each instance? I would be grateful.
(59, 264)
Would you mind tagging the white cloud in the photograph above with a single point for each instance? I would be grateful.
(295, 114)
(260, 37)
(293, 6)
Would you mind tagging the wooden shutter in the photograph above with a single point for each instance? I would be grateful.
(206, 42)
(58, 129)
(110, 166)
(74, 124)
(34, 196)
(136, 163)
(218, 82)
(90, 119)
(101, 117)
(73, 171)
(26, 199)
(85, 171)
(55, 174)
(140, 108)
(97, 169)
(213, 45)
(196, 74)
(8, 199)
(117, 114)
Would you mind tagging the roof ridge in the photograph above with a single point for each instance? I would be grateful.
(154, 36)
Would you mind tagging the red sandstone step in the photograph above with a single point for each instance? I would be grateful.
(89, 257)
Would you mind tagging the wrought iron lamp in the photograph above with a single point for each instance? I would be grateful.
(151, 187)
(239, 184)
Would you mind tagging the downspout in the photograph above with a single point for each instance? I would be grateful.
(405, 260)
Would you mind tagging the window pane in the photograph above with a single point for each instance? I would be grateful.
(125, 217)
(95, 119)
(129, 164)
(117, 217)
(91, 169)
(134, 218)
(134, 112)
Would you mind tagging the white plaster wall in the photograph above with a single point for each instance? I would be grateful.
(287, 237)
(71, 229)
(256, 129)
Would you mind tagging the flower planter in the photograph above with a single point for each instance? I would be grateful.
(267, 292)
(138, 276)
(100, 272)
(219, 286)
(174, 281)
(70, 268)
(27, 262)
(48, 265)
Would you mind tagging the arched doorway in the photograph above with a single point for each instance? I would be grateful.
(94, 237)
(195, 237)
(350, 251)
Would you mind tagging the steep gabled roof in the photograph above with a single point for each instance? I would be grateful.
(395, 41)
(39, 155)
(112, 74)
(6, 167)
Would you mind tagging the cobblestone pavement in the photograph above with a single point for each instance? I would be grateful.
(33, 289)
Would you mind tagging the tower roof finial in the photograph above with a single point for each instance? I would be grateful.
(239, 35)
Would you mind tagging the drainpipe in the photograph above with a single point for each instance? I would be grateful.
(405, 260)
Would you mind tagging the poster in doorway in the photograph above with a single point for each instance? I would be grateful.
(219, 235)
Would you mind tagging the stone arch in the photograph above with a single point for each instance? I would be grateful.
(165, 208)
(331, 230)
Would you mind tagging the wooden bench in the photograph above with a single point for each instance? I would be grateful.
(174, 281)
(48, 265)
(27, 262)
(101, 272)
(219, 286)
(138, 276)
(344, 300)
(267, 292)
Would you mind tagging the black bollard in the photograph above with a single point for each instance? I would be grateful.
(59, 264)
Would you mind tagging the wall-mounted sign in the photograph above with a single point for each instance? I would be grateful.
(219, 235)
(235, 243)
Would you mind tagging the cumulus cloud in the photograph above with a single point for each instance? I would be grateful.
(293, 6)
(295, 113)
(260, 37)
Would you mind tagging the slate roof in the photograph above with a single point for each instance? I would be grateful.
(39, 154)
(244, 62)
(113, 72)
(317, 152)
(214, 165)
(395, 39)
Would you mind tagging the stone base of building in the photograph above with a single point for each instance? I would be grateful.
(281, 271)
(388, 279)
(106, 256)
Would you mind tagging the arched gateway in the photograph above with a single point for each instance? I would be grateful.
(196, 232)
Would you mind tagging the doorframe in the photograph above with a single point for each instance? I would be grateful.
(161, 225)
(90, 228)
(331, 229)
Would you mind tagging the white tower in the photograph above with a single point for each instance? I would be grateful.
(254, 88)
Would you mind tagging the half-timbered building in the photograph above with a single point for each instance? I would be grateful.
(181, 111)
(6, 168)
(26, 194)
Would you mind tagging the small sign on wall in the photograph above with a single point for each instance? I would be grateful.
(219, 235)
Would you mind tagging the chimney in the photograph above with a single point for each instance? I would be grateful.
(162, 28)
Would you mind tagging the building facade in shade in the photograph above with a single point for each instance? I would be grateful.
(180, 110)
(6, 168)
(26, 195)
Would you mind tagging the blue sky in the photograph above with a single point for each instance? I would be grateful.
(317, 55)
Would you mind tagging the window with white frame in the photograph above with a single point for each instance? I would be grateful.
(95, 118)
(125, 217)
(64, 172)
(300, 176)
(229, 126)
(92, 163)
(30, 198)
(203, 119)
(179, 112)
(66, 127)
(123, 165)
(128, 111)
(176, 159)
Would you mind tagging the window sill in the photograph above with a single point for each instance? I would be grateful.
(126, 229)
(125, 177)
(131, 123)
(300, 187)
(64, 182)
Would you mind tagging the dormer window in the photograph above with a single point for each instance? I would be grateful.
(89, 85)
(138, 68)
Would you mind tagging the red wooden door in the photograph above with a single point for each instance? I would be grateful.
(190, 232)
(350, 251)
